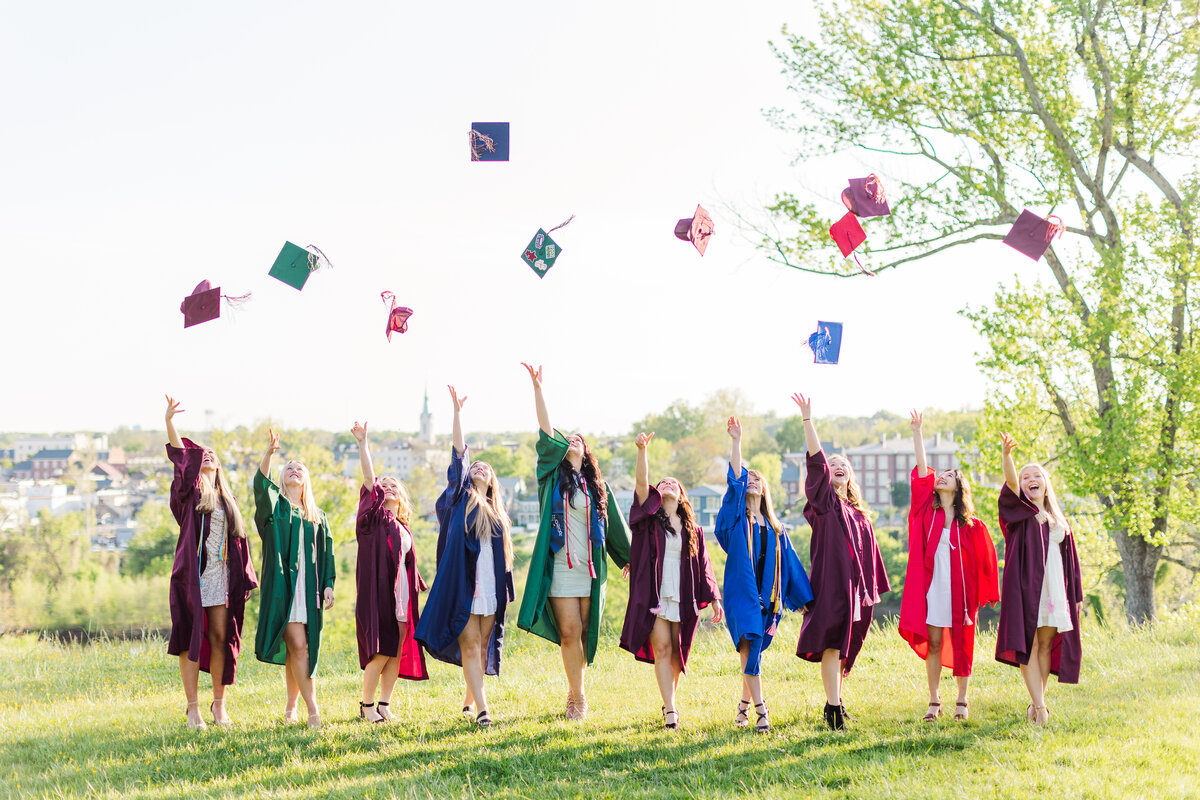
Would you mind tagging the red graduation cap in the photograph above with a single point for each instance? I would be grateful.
(865, 197)
(397, 315)
(1031, 234)
(204, 304)
(848, 233)
(696, 230)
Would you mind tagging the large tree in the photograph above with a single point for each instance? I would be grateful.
(1087, 108)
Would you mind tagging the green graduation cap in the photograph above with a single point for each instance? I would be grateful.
(541, 253)
(294, 264)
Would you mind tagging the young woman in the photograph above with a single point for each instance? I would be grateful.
(951, 573)
(297, 578)
(387, 580)
(463, 623)
(763, 574)
(564, 593)
(212, 576)
(848, 575)
(670, 579)
(1041, 592)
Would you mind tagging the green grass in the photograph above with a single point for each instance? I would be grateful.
(107, 720)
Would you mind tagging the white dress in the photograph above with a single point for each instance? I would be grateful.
(484, 601)
(306, 542)
(574, 580)
(937, 600)
(669, 594)
(1053, 610)
(402, 575)
(214, 582)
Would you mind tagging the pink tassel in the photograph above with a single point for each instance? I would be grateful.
(1055, 228)
(875, 189)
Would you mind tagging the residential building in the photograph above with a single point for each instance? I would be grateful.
(706, 502)
(26, 446)
(793, 474)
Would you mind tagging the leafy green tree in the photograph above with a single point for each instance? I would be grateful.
(772, 469)
(980, 108)
(152, 550)
(900, 493)
(679, 421)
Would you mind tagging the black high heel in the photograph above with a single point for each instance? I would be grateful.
(673, 723)
(834, 717)
(362, 712)
(762, 724)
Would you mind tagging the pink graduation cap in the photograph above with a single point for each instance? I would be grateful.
(397, 315)
(1031, 234)
(866, 198)
(848, 233)
(696, 230)
(204, 304)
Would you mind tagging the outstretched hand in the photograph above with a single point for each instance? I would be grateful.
(359, 432)
(917, 419)
(734, 428)
(273, 444)
(534, 374)
(805, 404)
(642, 439)
(458, 402)
(173, 406)
(1007, 443)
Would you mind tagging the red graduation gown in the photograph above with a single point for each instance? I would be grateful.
(973, 577)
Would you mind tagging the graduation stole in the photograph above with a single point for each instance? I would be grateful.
(587, 516)
(962, 572)
(775, 602)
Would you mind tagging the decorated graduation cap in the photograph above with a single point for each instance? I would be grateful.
(865, 197)
(1031, 234)
(489, 141)
(294, 264)
(397, 315)
(543, 251)
(826, 343)
(204, 304)
(696, 230)
(848, 233)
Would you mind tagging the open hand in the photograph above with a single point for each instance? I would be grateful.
(1007, 443)
(359, 431)
(915, 422)
(273, 444)
(734, 428)
(458, 402)
(173, 406)
(805, 404)
(534, 374)
(642, 439)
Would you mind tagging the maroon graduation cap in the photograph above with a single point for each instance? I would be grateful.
(204, 304)
(866, 198)
(1031, 234)
(696, 229)
(397, 315)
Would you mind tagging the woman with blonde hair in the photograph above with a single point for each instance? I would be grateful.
(670, 579)
(212, 575)
(1041, 590)
(763, 574)
(463, 623)
(387, 582)
(951, 573)
(297, 578)
(847, 580)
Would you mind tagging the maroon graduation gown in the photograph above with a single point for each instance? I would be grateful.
(189, 623)
(378, 532)
(847, 568)
(1025, 543)
(697, 584)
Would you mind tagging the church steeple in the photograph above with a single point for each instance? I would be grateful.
(426, 434)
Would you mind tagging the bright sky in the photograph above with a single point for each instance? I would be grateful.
(147, 145)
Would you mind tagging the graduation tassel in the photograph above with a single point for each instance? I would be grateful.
(561, 224)
(317, 258)
(480, 140)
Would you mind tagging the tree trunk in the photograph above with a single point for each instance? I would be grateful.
(1139, 561)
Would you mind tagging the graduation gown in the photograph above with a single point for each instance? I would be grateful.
(1025, 543)
(697, 584)
(847, 570)
(279, 526)
(611, 536)
(448, 607)
(752, 605)
(973, 578)
(378, 533)
(189, 623)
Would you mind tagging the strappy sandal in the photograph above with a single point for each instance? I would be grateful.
(762, 724)
(935, 711)
(195, 726)
(1038, 709)
(483, 719)
(834, 717)
(742, 719)
(961, 716)
(384, 712)
(225, 723)
(668, 723)
(362, 712)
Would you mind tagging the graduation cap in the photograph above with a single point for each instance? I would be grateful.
(848, 233)
(543, 251)
(489, 141)
(397, 315)
(204, 304)
(826, 343)
(294, 264)
(1031, 234)
(696, 229)
(866, 198)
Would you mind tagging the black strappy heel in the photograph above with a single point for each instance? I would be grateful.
(762, 724)
(672, 724)
(483, 719)
(380, 706)
(362, 712)
(742, 718)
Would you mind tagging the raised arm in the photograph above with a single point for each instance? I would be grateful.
(1007, 445)
(810, 430)
(172, 434)
(919, 443)
(460, 446)
(272, 448)
(364, 454)
(543, 415)
(641, 474)
(734, 428)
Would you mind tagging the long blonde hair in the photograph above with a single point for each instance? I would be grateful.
(491, 513)
(306, 503)
(216, 490)
(854, 495)
(765, 506)
(1050, 504)
(404, 510)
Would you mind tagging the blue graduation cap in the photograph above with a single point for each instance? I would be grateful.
(489, 141)
(826, 343)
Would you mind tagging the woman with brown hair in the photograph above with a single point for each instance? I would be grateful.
(212, 576)
(670, 579)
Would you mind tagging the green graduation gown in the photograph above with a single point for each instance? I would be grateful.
(536, 614)
(279, 526)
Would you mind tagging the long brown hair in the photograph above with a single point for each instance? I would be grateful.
(491, 512)
(964, 502)
(854, 496)
(765, 506)
(591, 474)
(217, 490)
(686, 515)
(404, 510)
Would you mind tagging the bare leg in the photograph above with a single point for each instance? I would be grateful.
(676, 659)
(831, 676)
(933, 668)
(189, 673)
(1032, 673)
(1043, 641)
(751, 684)
(960, 705)
(664, 650)
(218, 628)
(571, 613)
(295, 637)
(293, 688)
(375, 667)
(472, 643)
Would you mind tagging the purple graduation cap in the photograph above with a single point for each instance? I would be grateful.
(697, 229)
(1031, 234)
(489, 141)
(826, 343)
(397, 315)
(204, 304)
(866, 198)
